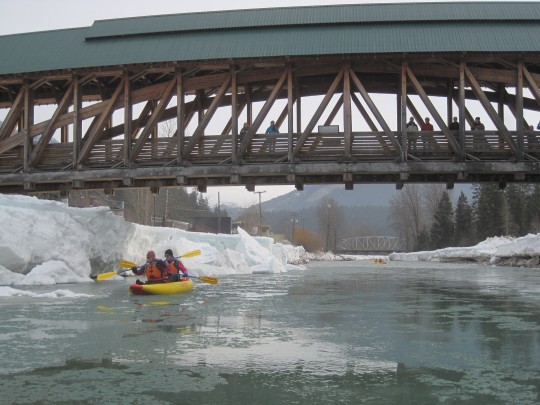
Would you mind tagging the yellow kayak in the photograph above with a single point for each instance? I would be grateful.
(176, 287)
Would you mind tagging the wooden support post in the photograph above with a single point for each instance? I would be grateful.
(180, 116)
(519, 111)
(290, 112)
(449, 102)
(298, 98)
(28, 122)
(347, 115)
(234, 115)
(403, 112)
(462, 110)
(77, 119)
(501, 93)
(128, 117)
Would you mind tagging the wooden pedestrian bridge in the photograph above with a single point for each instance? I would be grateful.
(159, 101)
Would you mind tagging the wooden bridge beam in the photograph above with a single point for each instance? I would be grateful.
(433, 111)
(262, 114)
(317, 115)
(47, 134)
(484, 101)
(199, 131)
(99, 123)
(13, 115)
(378, 116)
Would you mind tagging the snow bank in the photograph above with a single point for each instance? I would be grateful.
(46, 242)
(493, 250)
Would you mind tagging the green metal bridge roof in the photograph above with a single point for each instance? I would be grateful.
(295, 31)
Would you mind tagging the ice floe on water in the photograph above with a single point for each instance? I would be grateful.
(13, 292)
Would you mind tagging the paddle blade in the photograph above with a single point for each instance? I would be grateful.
(127, 265)
(105, 276)
(192, 253)
(209, 280)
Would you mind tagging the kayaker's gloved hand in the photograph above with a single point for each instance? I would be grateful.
(134, 269)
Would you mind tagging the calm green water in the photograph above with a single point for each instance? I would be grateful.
(338, 333)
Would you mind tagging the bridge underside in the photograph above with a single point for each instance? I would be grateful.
(153, 125)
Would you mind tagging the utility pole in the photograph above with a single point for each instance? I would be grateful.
(219, 214)
(164, 219)
(260, 210)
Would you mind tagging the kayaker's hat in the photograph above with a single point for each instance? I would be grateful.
(169, 252)
(150, 254)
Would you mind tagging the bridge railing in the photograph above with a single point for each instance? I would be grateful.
(366, 146)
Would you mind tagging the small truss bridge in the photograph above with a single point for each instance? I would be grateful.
(370, 245)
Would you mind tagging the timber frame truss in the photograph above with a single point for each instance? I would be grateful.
(107, 132)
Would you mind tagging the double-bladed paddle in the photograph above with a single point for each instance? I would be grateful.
(128, 265)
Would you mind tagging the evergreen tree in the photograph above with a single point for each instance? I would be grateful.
(463, 227)
(422, 242)
(533, 209)
(442, 228)
(516, 210)
(488, 211)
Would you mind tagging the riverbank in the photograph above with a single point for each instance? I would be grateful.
(499, 251)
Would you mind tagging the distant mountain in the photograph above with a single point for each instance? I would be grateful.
(377, 195)
(233, 210)
(366, 208)
(312, 195)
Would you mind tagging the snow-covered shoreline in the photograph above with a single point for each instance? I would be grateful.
(500, 251)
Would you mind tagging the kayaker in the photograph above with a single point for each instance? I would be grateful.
(174, 266)
(154, 269)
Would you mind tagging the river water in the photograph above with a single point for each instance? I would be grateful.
(337, 333)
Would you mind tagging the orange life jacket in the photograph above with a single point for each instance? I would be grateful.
(171, 266)
(153, 272)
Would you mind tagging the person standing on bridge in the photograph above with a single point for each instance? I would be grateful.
(412, 134)
(477, 125)
(427, 139)
(243, 133)
(454, 125)
(272, 130)
(478, 139)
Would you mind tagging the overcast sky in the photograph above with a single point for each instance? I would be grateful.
(18, 16)
(39, 15)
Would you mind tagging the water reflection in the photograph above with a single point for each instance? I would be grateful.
(337, 333)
